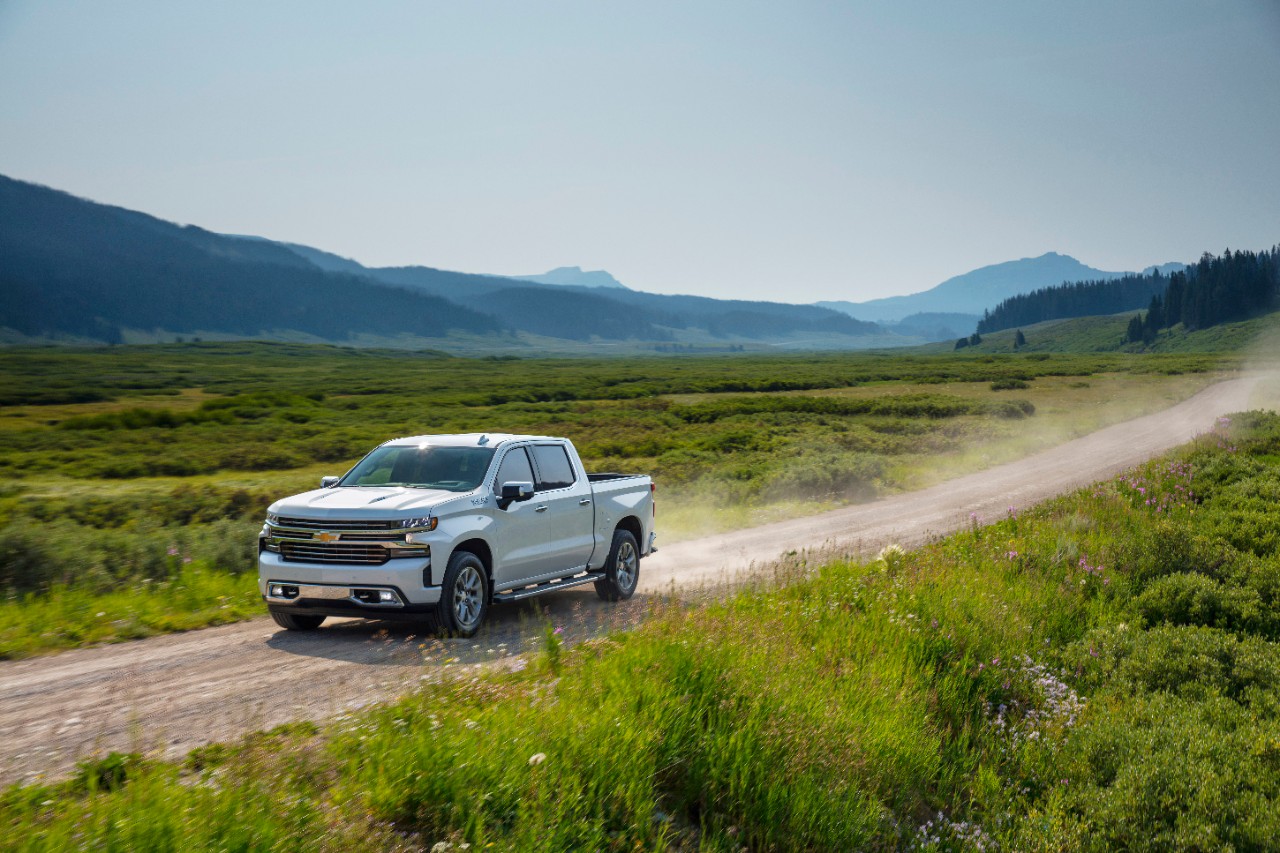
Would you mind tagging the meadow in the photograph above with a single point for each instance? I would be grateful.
(1097, 672)
(133, 479)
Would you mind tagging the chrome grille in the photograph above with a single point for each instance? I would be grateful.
(336, 524)
(332, 552)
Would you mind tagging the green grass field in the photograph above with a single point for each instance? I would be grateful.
(1098, 672)
(131, 470)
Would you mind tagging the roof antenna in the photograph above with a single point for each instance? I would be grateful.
(484, 439)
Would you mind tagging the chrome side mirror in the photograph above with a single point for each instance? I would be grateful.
(515, 491)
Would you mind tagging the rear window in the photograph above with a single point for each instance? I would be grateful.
(554, 469)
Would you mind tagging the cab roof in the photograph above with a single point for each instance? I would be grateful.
(470, 439)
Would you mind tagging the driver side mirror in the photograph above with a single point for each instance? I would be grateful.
(515, 491)
(329, 482)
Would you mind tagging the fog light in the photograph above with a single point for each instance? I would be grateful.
(386, 595)
(277, 591)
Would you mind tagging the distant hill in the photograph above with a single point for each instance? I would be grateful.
(1232, 287)
(77, 268)
(575, 276)
(566, 308)
(1108, 334)
(935, 326)
(983, 288)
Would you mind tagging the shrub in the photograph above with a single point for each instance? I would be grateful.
(1193, 599)
(1161, 772)
(27, 563)
(824, 476)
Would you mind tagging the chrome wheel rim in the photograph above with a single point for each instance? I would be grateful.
(627, 566)
(468, 597)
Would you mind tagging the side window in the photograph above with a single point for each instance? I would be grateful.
(554, 470)
(515, 468)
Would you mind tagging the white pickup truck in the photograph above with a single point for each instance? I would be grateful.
(437, 527)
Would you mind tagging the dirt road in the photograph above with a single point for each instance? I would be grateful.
(170, 694)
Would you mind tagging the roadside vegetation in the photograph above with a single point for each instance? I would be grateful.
(133, 479)
(1098, 672)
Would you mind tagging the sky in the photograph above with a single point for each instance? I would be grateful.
(793, 151)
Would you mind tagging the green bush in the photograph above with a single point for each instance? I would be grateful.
(1193, 599)
(813, 475)
(1160, 772)
(27, 563)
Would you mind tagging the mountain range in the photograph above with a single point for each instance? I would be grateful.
(76, 270)
(970, 294)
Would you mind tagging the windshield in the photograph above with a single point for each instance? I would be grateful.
(454, 469)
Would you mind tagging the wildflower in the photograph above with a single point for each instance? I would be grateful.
(537, 758)
(173, 551)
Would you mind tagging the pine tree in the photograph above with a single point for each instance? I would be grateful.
(1134, 334)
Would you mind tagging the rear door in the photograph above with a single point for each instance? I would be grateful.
(566, 496)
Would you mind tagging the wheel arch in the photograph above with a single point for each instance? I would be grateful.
(632, 525)
(481, 549)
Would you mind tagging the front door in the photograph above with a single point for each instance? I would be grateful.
(520, 546)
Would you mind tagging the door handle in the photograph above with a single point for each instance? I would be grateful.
(584, 502)
(542, 508)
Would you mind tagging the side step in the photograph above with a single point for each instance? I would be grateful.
(548, 586)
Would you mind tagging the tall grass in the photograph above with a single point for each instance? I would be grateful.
(68, 616)
(1099, 672)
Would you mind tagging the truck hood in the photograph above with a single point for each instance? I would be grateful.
(356, 502)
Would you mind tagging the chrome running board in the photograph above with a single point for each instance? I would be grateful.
(548, 586)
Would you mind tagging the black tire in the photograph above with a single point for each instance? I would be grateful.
(464, 596)
(621, 568)
(297, 621)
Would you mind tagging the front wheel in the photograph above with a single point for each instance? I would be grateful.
(464, 595)
(297, 621)
(621, 568)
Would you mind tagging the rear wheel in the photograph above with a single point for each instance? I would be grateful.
(464, 595)
(621, 568)
(297, 621)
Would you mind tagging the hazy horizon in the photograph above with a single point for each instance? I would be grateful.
(797, 154)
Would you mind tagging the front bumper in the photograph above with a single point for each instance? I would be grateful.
(397, 586)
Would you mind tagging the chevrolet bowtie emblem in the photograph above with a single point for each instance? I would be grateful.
(326, 536)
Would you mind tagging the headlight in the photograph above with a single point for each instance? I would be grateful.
(426, 522)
